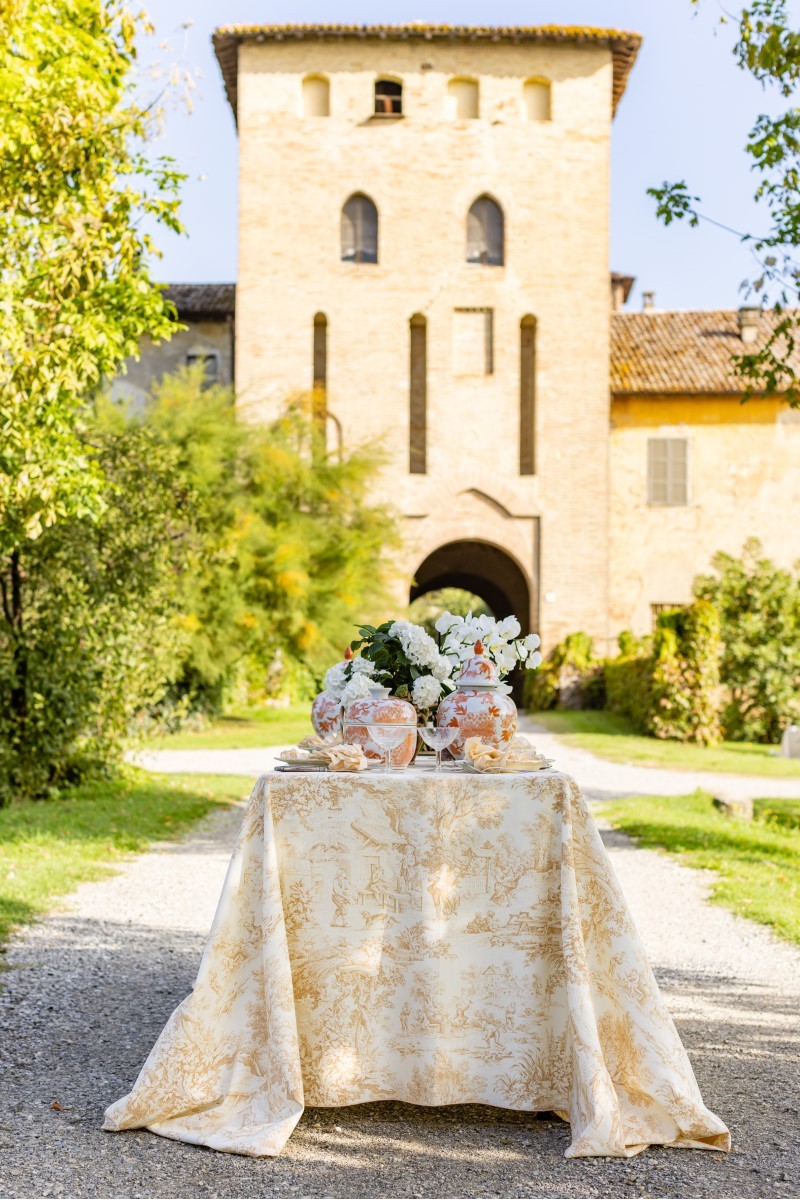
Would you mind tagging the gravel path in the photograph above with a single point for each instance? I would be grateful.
(90, 988)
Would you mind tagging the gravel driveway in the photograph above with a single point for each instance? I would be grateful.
(90, 988)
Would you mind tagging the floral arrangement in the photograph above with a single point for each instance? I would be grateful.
(404, 657)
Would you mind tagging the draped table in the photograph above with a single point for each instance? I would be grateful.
(435, 938)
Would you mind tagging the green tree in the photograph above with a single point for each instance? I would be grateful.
(76, 194)
(289, 552)
(759, 608)
(768, 48)
(98, 629)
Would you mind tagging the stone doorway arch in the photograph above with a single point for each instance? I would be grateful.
(480, 567)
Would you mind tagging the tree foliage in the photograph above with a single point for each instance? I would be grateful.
(94, 619)
(759, 609)
(289, 552)
(767, 48)
(75, 295)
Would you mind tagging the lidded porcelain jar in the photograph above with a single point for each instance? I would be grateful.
(326, 710)
(480, 707)
(379, 708)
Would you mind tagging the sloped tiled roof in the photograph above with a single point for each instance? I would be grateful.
(679, 352)
(202, 299)
(624, 45)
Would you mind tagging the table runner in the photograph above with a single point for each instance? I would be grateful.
(431, 938)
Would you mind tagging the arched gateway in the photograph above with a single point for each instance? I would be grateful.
(480, 567)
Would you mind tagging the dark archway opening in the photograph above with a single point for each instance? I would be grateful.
(484, 569)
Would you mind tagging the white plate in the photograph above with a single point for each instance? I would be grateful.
(312, 760)
(508, 770)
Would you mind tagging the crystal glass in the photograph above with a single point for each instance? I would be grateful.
(438, 738)
(389, 737)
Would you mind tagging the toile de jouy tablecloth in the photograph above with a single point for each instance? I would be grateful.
(432, 938)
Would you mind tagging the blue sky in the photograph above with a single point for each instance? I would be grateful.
(686, 114)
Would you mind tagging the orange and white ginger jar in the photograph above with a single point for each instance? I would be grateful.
(325, 714)
(480, 707)
(379, 708)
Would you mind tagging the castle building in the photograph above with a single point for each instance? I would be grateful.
(423, 245)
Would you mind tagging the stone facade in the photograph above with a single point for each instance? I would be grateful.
(423, 171)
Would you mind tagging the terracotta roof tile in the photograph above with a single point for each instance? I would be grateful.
(202, 299)
(624, 45)
(679, 352)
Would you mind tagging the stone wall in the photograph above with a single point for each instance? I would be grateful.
(423, 171)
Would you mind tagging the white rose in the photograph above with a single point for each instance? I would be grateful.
(426, 692)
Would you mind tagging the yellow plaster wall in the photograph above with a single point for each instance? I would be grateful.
(744, 481)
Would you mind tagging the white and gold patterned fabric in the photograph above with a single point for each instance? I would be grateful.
(433, 938)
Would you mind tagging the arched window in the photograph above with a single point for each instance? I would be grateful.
(486, 233)
(463, 99)
(316, 96)
(388, 98)
(418, 396)
(359, 230)
(536, 99)
(527, 396)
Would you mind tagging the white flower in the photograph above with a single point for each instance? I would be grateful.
(446, 622)
(335, 679)
(356, 689)
(509, 628)
(505, 657)
(534, 660)
(362, 666)
(532, 642)
(426, 692)
(441, 668)
(419, 646)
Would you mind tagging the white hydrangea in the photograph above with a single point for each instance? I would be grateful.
(419, 646)
(441, 668)
(356, 688)
(362, 666)
(426, 692)
(335, 679)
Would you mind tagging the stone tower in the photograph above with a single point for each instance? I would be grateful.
(423, 239)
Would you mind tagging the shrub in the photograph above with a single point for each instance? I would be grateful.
(685, 699)
(87, 629)
(759, 610)
(628, 680)
(542, 688)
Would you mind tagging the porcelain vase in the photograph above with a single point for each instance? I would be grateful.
(379, 708)
(480, 707)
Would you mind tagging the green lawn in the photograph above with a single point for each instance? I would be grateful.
(758, 862)
(244, 730)
(612, 737)
(47, 848)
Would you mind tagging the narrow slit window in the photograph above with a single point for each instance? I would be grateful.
(527, 396)
(667, 471)
(388, 98)
(359, 230)
(418, 396)
(486, 233)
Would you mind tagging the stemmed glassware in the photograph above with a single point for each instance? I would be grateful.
(438, 738)
(389, 737)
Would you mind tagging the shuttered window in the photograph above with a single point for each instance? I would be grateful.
(527, 396)
(418, 396)
(667, 471)
(473, 341)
